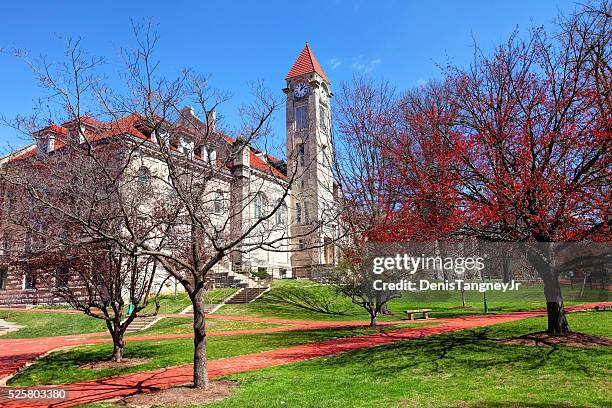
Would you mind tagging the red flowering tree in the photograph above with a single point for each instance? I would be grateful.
(514, 149)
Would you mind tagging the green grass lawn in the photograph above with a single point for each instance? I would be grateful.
(44, 324)
(177, 325)
(63, 366)
(461, 369)
(170, 303)
(443, 303)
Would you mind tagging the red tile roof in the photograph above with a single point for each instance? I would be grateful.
(131, 124)
(261, 165)
(306, 63)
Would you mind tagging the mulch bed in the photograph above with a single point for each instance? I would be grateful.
(105, 364)
(571, 339)
(182, 395)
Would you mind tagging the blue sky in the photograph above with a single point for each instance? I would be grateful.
(239, 42)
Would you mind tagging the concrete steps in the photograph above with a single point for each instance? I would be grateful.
(246, 295)
(142, 323)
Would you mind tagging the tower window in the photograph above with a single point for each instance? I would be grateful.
(323, 120)
(298, 212)
(301, 244)
(301, 117)
(302, 154)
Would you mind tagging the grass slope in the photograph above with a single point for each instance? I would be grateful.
(44, 324)
(443, 303)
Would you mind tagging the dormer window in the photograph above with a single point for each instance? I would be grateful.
(187, 147)
(162, 137)
(204, 153)
(76, 135)
(44, 144)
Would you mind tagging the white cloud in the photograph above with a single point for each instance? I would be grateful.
(365, 65)
(335, 63)
(422, 81)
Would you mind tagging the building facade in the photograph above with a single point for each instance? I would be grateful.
(305, 223)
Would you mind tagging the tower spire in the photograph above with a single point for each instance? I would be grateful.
(306, 63)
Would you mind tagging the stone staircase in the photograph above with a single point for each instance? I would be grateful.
(142, 323)
(227, 279)
(246, 295)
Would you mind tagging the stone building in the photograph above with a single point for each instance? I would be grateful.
(307, 217)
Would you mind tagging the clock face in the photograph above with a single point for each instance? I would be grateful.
(300, 90)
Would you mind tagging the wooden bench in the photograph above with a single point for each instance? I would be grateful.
(410, 313)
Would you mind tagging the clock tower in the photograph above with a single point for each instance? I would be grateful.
(309, 165)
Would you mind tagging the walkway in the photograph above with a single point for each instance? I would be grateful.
(99, 390)
(16, 353)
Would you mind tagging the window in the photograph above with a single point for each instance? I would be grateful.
(328, 250)
(213, 156)
(4, 244)
(204, 153)
(29, 282)
(301, 245)
(261, 202)
(144, 176)
(281, 214)
(323, 120)
(298, 212)
(218, 203)
(187, 147)
(44, 144)
(3, 278)
(301, 117)
(61, 276)
(302, 154)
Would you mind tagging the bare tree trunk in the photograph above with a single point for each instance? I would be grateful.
(200, 371)
(557, 321)
(506, 269)
(373, 319)
(118, 346)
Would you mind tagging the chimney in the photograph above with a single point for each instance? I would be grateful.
(212, 120)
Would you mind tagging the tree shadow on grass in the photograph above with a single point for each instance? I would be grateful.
(475, 349)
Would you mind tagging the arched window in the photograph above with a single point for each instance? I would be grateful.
(298, 213)
(281, 214)
(144, 176)
(261, 202)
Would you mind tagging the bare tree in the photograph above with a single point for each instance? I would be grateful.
(181, 192)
